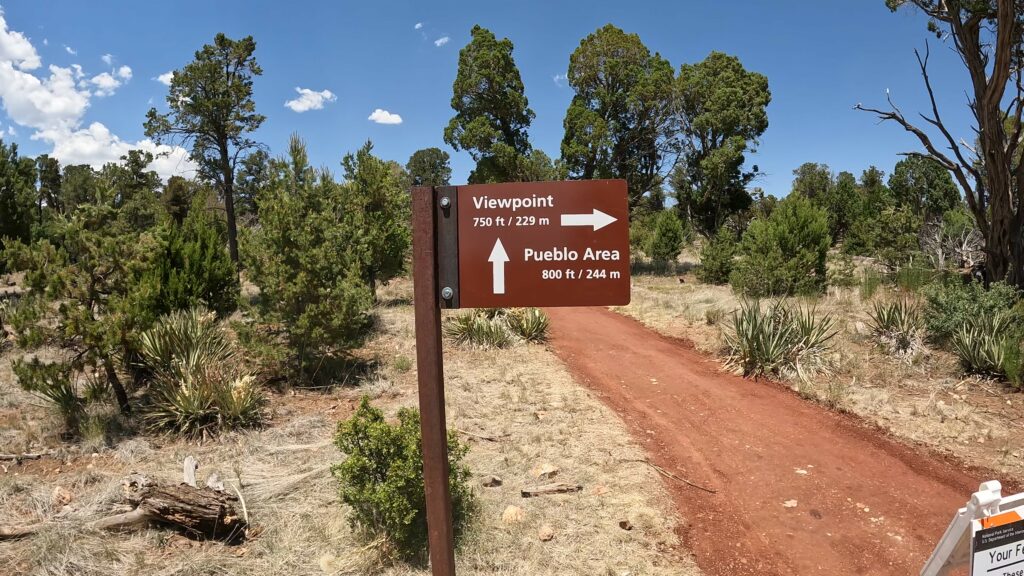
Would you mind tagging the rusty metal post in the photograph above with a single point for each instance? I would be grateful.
(430, 374)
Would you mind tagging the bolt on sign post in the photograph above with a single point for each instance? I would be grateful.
(499, 246)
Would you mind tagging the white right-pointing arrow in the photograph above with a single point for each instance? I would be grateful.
(597, 219)
(497, 259)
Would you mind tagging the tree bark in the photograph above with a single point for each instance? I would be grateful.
(228, 184)
(119, 391)
(199, 511)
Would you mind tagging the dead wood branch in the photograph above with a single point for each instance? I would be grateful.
(13, 532)
(482, 436)
(668, 474)
(547, 489)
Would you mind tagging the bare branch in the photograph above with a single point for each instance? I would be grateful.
(936, 120)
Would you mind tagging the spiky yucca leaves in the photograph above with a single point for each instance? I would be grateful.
(529, 324)
(990, 346)
(477, 328)
(899, 327)
(198, 385)
(183, 341)
(498, 327)
(776, 338)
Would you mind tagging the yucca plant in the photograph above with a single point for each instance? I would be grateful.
(479, 328)
(987, 346)
(198, 386)
(182, 342)
(775, 338)
(899, 327)
(529, 324)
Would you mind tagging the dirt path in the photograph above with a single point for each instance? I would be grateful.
(864, 503)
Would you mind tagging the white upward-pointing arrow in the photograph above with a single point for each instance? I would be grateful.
(497, 259)
(597, 219)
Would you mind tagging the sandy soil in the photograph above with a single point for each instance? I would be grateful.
(798, 489)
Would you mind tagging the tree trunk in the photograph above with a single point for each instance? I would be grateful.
(119, 391)
(228, 183)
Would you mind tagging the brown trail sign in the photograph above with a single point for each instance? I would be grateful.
(497, 246)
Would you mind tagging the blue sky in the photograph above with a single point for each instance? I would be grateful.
(821, 58)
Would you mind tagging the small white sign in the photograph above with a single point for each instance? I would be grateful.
(997, 548)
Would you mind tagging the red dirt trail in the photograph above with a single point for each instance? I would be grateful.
(865, 504)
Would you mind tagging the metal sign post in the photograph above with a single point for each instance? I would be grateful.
(430, 375)
(497, 246)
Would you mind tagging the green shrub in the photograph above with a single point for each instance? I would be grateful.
(870, 280)
(897, 243)
(776, 339)
(193, 267)
(951, 304)
(198, 387)
(666, 240)
(842, 271)
(529, 324)
(21, 316)
(716, 257)
(56, 383)
(898, 326)
(381, 478)
(784, 254)
(640, 231)
(913, 278)
(309, 258)
(991, 346)
(402, 363)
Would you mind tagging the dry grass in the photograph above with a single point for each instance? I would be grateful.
(522, 396)
(923, 399)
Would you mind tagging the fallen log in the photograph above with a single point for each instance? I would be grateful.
(202, 512)
(553, 488)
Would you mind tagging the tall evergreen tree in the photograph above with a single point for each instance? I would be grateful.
(429, 167)
(620, 123)
(17, 194)
(492, 113)
(211, 109)
(379, 205)
(723, 109)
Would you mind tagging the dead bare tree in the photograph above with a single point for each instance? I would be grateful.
(947, 248)
(988, 35)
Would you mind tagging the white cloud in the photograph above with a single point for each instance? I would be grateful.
(12, 131)
(70, 50)
(441, 41)
(46, 42)
(54, 107)
(165, 78)
(124, 72)
(310, 100)
(108, 59)
(418, 26)
(384, 117)
(16, 49)
(559, 79)
(48, 103)
(97, 146)
(105, 84)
